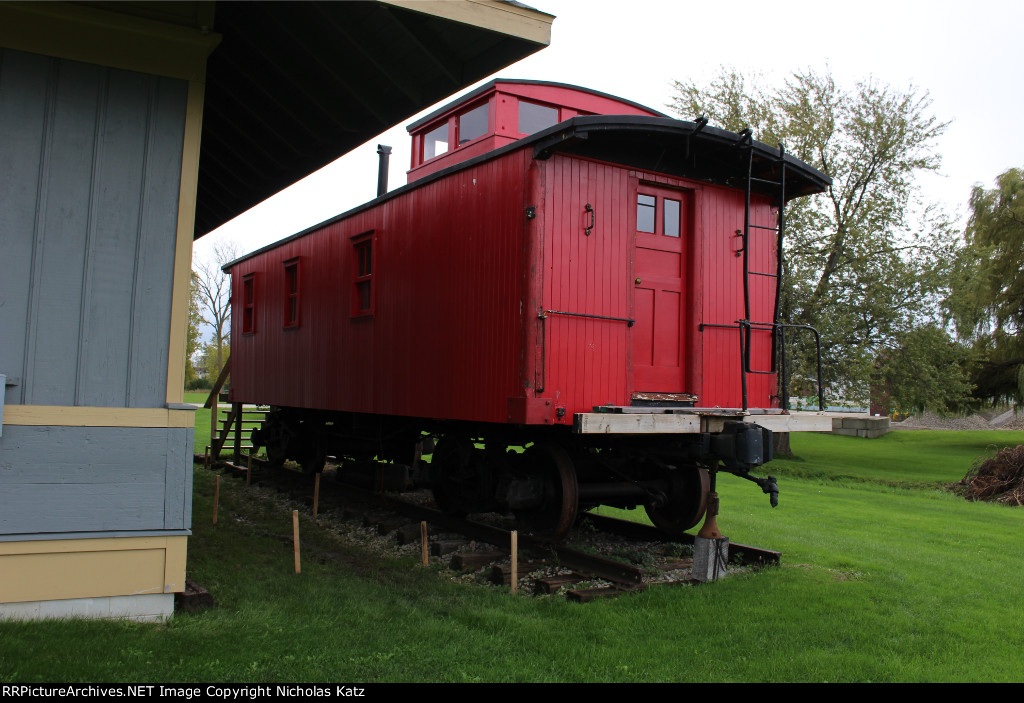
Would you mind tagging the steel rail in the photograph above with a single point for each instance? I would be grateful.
(608, 569)
(749, 556)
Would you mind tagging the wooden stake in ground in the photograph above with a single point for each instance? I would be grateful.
(206, 458)
(316, 494)
(295, 538)
(423, 539)
(515, 560)
(216, 496)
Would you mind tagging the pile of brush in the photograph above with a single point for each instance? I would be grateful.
(998, 478)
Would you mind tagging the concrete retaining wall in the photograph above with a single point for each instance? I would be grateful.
(860, 426)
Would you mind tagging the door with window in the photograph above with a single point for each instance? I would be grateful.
(662, 234)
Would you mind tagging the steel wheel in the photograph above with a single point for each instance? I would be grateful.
(273, 437)
(459, 479)
(687, 500)
(275, 456)
(560, 505)
(313, 459)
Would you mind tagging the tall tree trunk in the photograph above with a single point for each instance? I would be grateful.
(780, 444)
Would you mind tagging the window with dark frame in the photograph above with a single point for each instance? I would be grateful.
(362, 293)
(435, 142)
(664, 219)
(473, 124)
(670, 222)
(291, 293)
(249, 304)
(646, 208)
(534, 117)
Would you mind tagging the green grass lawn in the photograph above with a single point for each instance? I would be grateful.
(202, 422)
(905, 457)
(883, 578)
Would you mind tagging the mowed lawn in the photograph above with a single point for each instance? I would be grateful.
(902, 457)
(883, 578)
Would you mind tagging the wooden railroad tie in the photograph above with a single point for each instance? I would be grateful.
(439, 548)
(471, 561)
(502, 574)
(551, 584)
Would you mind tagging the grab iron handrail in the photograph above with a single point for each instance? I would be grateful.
(778, 329)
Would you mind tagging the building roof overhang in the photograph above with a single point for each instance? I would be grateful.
(295, 85)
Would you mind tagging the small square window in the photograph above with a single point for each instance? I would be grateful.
(291, 293)
(671, 221)
(249, 304)
(473, 124)
(435, 142)
(362, 292)
(534, 118)
(646, 206)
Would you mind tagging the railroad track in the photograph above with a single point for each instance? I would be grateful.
(558, 565)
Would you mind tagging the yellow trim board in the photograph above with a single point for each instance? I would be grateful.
(522, 22)
(91, 568)
(81, 416)
(183, 245)
(79, 33)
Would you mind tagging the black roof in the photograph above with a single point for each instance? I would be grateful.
(659, 144)
(680, 148)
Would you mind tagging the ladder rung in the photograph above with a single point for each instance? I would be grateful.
(758, 273)
(773, 229)
(764, 180)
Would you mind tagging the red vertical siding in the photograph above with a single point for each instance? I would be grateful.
(587, 359)
(459, 276)
(721, 298)
(445, 334)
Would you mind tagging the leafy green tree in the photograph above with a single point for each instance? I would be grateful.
(987, 298)
(210, 360)
(866, 262)
(928, 370)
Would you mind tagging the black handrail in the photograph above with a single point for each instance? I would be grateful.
(777, 328)
(628, 321)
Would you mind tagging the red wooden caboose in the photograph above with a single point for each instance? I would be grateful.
(565, 270)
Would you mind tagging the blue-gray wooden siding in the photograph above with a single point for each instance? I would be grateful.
(94, 479)
(90, 167)
(90, 164)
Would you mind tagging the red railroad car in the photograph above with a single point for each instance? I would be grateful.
(565, 271)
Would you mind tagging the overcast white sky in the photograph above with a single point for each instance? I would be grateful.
(968, 56)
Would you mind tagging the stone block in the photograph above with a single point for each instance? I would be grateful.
(710, 558)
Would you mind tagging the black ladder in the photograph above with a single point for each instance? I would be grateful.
(746, 142)
(746, 325)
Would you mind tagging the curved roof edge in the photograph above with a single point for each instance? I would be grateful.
(490, 85)
(677, 147)
(646, 143)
